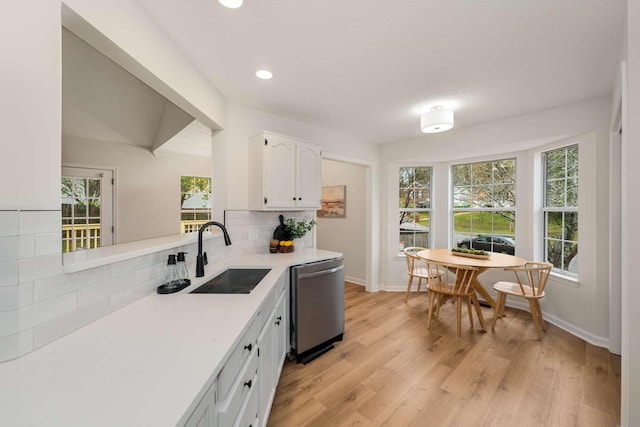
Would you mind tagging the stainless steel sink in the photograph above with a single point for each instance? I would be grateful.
(233, 281)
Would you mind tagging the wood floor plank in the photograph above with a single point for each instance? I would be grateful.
(391, 371)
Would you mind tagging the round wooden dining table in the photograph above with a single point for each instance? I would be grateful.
(494, 261)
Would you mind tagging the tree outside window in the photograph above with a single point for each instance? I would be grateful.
(484, 202)
(195, 202)
(414, 204)
(561, 209)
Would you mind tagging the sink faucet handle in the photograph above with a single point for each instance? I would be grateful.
(204, 259)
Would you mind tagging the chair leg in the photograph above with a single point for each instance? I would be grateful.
(438, 304)
(419, 283)
(459, 314)
(534, 315)
(409, 287)
(432, 297)
(470, 312)
(497, 311)
(544, 327)
(476, 304)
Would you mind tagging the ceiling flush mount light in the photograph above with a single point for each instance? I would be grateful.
(264, 74)
(436, 120)
(232, 4)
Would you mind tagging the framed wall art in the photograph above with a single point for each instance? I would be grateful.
(334, 201)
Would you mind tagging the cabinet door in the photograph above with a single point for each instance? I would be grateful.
(280, 334)
(266, 373)
(309, 178)
(279, 172)
(204, 414)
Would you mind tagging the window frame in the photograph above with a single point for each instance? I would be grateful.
(192, 226)
(415, 210)
(562, 273)
(512, 209)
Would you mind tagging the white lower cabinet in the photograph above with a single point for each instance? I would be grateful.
(244, 389)
(205, 414)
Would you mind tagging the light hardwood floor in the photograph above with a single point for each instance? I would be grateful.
(391, 371)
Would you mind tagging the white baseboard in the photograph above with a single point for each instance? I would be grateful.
(355, 280)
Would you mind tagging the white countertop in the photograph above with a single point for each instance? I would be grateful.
(143, 365)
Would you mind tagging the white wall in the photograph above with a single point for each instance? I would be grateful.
(147, 185)
(346, 235)
(630, 224)
(582, 309)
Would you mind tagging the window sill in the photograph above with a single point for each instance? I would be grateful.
(563, 279)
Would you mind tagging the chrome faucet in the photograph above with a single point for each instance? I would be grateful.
(201, 259)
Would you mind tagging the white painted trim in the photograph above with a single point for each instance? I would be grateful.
(372, 220)
(355, 280)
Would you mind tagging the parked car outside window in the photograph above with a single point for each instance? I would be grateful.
(500, 244)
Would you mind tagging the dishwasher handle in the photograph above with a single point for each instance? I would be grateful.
(320, 273)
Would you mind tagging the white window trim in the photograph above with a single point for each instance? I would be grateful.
(399, 254)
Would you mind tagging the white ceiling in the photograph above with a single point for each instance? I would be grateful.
(366, 67)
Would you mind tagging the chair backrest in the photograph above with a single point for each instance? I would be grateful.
(452, 279)
(532, 276)
(412, 258)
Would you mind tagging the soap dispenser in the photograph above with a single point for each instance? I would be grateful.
(172, 282)
(172, 276)
(183, 271)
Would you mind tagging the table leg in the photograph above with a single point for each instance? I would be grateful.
(481, 290)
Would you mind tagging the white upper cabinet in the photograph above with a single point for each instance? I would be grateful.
(284, 173)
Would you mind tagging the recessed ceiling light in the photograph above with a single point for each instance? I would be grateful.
(264, 74)
(232, 4)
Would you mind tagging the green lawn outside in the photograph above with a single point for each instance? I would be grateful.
(482, 224)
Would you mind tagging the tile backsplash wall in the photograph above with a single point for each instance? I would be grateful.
(39, 303)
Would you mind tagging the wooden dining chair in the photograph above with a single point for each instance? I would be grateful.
(530, 282)
(415, 267)
(455, 282)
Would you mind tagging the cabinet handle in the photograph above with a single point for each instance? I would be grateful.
(277, 322)
(294, 198)
(279, 318)
(248, 384)
(299, 198)
(248, 347)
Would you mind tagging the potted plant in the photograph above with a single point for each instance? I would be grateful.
(292, 229)
(297, 229)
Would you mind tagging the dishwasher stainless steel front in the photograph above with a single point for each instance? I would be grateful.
(317, 308)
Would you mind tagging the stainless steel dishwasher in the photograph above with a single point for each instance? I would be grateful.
(317, 308)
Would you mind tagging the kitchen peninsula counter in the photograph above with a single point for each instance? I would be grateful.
(147, 364)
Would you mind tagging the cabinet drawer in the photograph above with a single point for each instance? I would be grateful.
(243, 387)
(248, 414)
(245, 348)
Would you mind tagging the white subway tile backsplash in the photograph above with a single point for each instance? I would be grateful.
(25, 342)
(48, 244)
(130, 295)
(9, 324)
(131, 266)
(65, 283)
(9, 273)
(102, 290)
(47, 310)
(9, 248)
(62, 325)
(9, 298)
(37, 222)
(9, 347)
(28, 246)
(25, 291)
(9, 223)
(40, 267)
